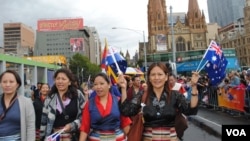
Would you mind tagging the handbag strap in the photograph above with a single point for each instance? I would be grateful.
(144, 97)
(5, 110)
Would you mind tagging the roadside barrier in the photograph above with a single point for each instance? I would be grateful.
(231, 99)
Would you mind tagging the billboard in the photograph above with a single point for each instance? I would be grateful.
(58, 59)
(76, 44)
(193, 65)
(60, 24)
(161, 42)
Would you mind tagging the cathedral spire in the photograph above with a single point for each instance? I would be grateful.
(195, 17)
(127, 55)
(157, 6)
(157, 16)
(193, 9)
(157, 22)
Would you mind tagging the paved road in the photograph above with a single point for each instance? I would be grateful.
(211, 120)
(194, 133)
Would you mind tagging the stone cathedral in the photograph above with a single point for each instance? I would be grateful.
(189, 29)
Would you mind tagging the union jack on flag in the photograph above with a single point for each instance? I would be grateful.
(214, 46)
(214, 54)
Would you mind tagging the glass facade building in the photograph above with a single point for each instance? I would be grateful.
(225, 12)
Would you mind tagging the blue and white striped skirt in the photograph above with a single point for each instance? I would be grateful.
(116, 135)
(16, 137)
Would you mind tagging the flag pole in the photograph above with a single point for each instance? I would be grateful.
(89, 82)
(104, 56)
(202, 67)
(204, 56)
(113, 57)
(59, 133)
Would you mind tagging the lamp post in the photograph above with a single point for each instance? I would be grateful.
(144, 45)
(173, 41)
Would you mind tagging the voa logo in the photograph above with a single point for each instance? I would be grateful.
(236, 132)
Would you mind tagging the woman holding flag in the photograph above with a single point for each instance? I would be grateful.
(159, 105)
(101, 118)
(62, 109)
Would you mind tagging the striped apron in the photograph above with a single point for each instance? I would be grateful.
(159, 134)
(116, 135)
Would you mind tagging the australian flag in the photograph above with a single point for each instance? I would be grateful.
(214, 54)
(216, 65)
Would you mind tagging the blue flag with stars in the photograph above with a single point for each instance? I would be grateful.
(216, 73)
(214, 54)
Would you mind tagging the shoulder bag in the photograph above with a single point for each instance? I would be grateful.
(137, 127)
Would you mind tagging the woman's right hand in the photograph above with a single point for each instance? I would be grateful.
(122, 81)
(194, 78)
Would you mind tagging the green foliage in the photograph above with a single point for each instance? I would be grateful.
(139, 63)
(82, 67)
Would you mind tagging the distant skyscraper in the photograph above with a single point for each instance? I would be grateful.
(225, 12)
(16, 36)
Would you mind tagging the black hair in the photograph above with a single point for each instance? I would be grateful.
(16, 75)
(135, 76)
(72, 89)
(168, 65)
(165, 69)
(104, 76)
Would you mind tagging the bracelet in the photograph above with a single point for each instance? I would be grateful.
(195, 84)
(194, 94)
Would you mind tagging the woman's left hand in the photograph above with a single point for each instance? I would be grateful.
(67, 128)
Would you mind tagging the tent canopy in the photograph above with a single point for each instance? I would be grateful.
(131, 70)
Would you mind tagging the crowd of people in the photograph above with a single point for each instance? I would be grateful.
(103, 112)
(208, 93)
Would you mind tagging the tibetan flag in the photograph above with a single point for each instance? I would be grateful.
(104, 58)
(113, 58)
(115, 63)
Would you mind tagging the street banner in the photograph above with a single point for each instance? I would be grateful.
(232, 98)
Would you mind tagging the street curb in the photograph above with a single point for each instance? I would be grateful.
(204, 126)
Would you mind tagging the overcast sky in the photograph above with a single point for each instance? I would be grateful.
(101, 14)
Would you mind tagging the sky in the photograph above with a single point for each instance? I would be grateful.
(101, 14)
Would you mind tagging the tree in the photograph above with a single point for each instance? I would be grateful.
(139, 62)
(82, 67)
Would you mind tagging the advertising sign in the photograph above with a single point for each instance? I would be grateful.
(161, 42)
(51, 59)
(60, 24)
(192, 65)
(76, 44)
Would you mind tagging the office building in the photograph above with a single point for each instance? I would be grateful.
(95, 45)
(18, 36)
(225, 12)
(234, 36)
(67, 37)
